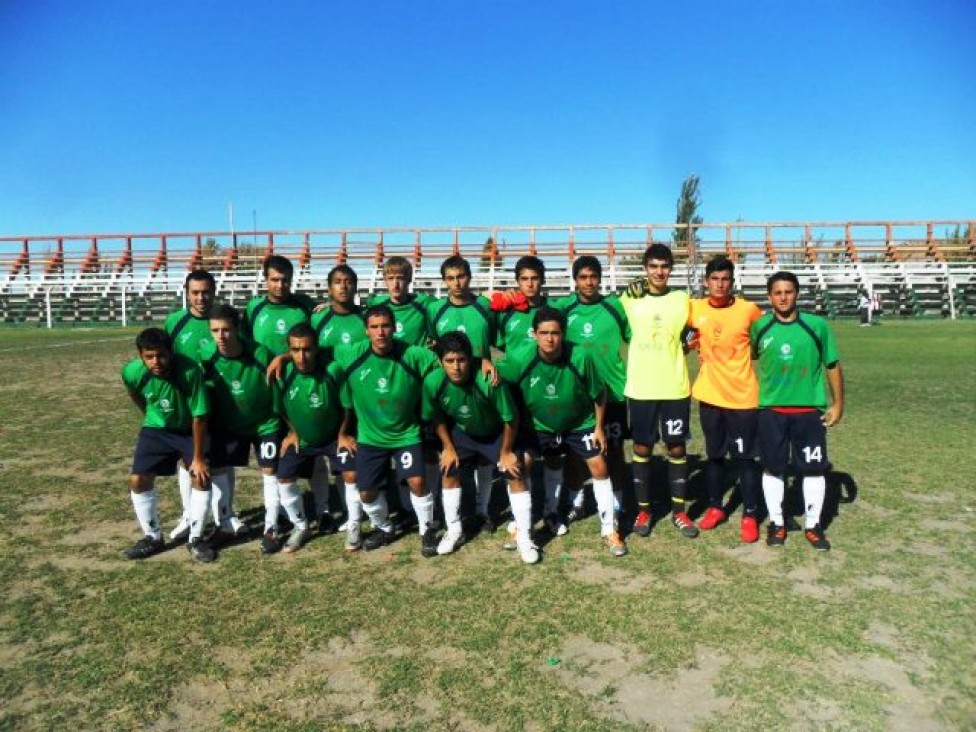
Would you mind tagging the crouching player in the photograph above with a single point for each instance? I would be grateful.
(170, 392)
(475, 422)
(307, 398)
(565, 402)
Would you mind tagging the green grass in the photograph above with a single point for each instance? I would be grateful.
(707, 634)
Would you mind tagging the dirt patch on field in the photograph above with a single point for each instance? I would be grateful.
(614, 578)
(909, 708)
(932, 498)
(752, 555)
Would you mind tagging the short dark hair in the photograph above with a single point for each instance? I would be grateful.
(380, 309)
(546, 314)
(657, 250)
(346, 270)
(529, 262)
(200, 275)
(587, 261)
(455, 262)
(153, 339)
(719, 263)
(454, 342)
(223, 311)
(782, 276)
(303, 330)
(279, 264)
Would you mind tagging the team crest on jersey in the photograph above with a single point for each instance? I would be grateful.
(551, 391)
(399, 327)
(314, 400)
(165, 405)
(785, 349)
(382, 385)
(464, 411)
(588, 330)
(346, 338)
(236, 388)
(281, 326)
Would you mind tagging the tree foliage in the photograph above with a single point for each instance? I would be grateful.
(687, 213)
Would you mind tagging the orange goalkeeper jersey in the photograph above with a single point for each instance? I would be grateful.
(725, 374)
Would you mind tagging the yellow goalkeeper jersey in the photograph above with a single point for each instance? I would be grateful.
(656, 366)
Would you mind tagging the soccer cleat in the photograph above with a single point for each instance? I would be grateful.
(240, 529)
(817, 539)
(271, 542)
(181, 532)
(749, 529)
(450, 542)
(327, 525)
(296, 540)
(528, 551)
(354, 539)
(576, 513)
(376, 539)
(555, 525)
(428, 543)
(642, 525)
(775, 535)
(222, 537)
(712, 518)
(615, 544)
(145, 548)
(511, 542)
(201, 550)
(485, 524)
(685, 525)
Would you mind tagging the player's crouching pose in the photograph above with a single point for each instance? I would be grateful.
(307, 397)
(565, 402)
(797, 359)
(169, 391)
(475, 422)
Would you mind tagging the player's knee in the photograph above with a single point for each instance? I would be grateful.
(368, 496)
(676, 450)
(417, 486)
(141, 483)
(642, 450)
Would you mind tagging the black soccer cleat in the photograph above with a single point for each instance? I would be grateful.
(775, 535)
(145, 548)
(201, 550)
(376, 539)
(428, 543)
(817, 539)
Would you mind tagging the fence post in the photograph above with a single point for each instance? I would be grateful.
(47, 307)
(125, 319)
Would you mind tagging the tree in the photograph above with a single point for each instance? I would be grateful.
(685, 235)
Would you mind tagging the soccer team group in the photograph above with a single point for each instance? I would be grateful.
(407, 387)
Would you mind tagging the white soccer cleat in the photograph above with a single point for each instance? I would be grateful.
(528, 551)
(450, 542)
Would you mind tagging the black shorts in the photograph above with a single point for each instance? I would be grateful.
(728, 431)
(543, 444)
(233, 450)
(800, 436)
(615, 423)
(373, 464)
(301, 463)
(664, 419)
(158, 451)
(428, 437)
(473, 450)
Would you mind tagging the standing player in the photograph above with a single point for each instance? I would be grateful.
(410, 309)
(658, 388)
(269, 317)
(189, 330)
(728, 394)
(169, 390)
(515, 324)
(796, 361)
(566, 400)
(382, 384)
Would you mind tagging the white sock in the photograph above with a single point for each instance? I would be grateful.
(291, 501)
(773, 491)
(147, 513)
(271, 501)
(603, 493)
(221, 495)
(423, 506)
(199, 505)
(186, 485)
(553, 481)
(814, 490)
(576, 497)
(379, 513)
(354, 506)
(451, 498)
(522, 511)
(319, 483)
(483, 476)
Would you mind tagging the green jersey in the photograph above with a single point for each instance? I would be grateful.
(601, 329)
(412, 326)
(385, 391)
(475, 319)
(188, 332)
(337, 329)
(791, 358)
(515, 328)
(172, 402)
(558, 396)
(241, 398)
(268, 323)
(477, 407)
(311, 402)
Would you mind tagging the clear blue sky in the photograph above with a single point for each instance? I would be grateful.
(138, 116)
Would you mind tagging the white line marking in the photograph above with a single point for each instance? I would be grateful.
(64, 345)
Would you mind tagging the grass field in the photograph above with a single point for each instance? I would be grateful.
(709, 634)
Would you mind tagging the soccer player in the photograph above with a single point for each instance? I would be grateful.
(514, 324)
(189, 331)
(308, 399)
(409, 308)
(599, 326)
(566, 401)
(796, 362)
(242, 417)
(658, 389)
(383, 380)
(728, 394)
(269, 317)
(169, 390)
(475, 422)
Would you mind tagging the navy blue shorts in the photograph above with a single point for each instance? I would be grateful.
(728, 431)
(668, 420)
(158, 451)
(473, 450)
(615, 423)
(300, 463)
(233, 450)
(373, 464)
(799, 440)
(428, 437)
(543, 444)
